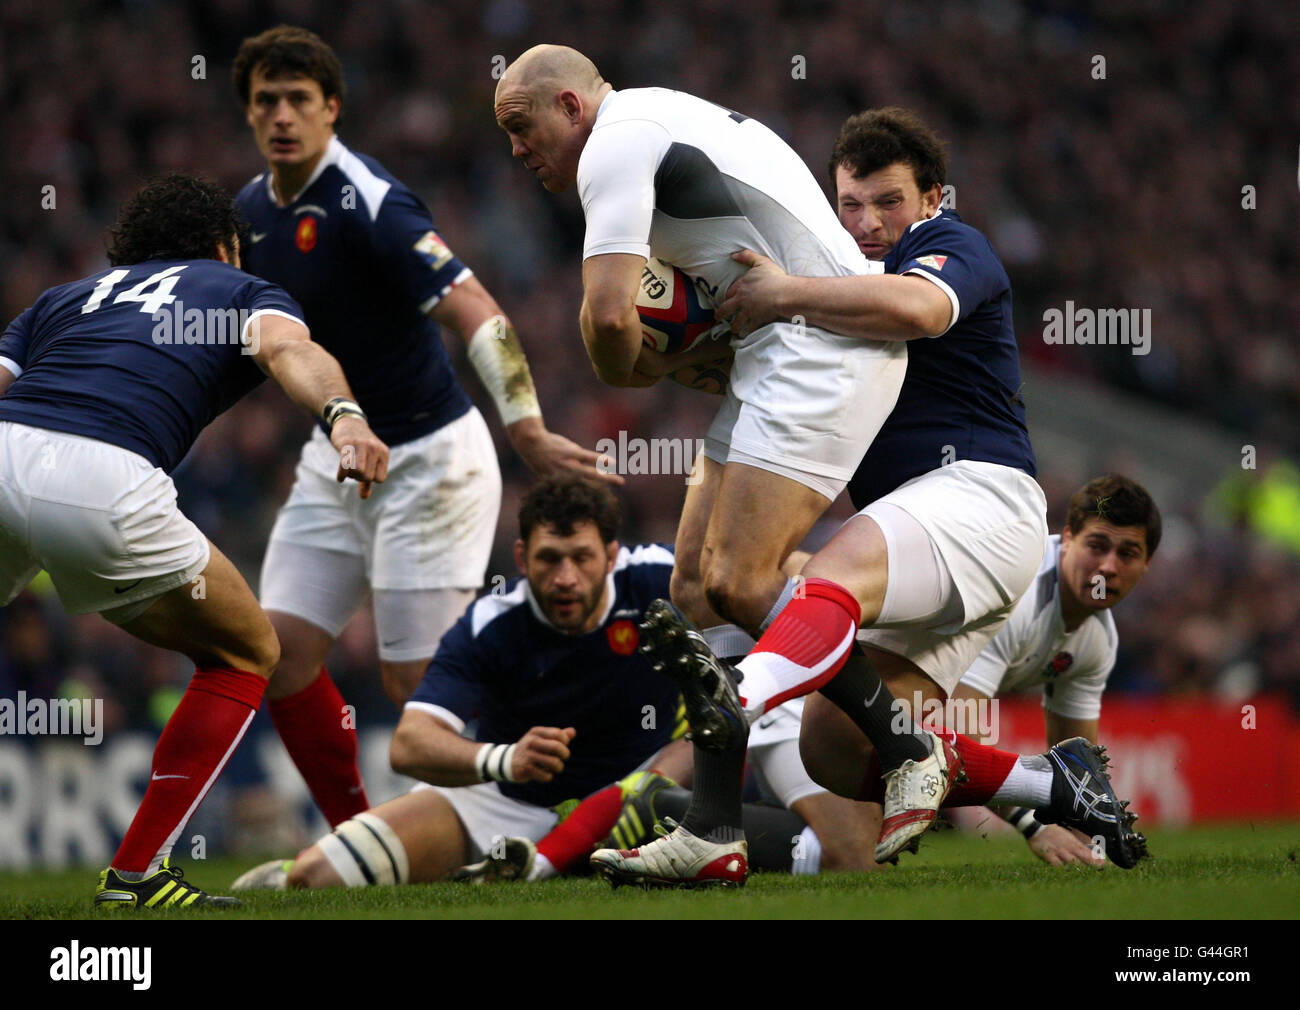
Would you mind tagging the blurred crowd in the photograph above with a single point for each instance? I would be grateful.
(1132, 154)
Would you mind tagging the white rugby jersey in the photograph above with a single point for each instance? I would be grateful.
(670, 175)
(1034, 648)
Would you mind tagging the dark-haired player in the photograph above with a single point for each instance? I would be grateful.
(1060, 636)
(565, 705)
(949, 536)
(359, 252)
(104, 391)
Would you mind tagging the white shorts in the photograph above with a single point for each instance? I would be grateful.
(487, 815)
(774, 755)
(102, 520)
(429, 526)
(988, 524)
(806, 403)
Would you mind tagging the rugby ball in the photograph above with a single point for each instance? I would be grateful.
(672, 317)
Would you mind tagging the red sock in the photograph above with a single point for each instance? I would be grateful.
(195, 744)
(805, 646)
(590, 821)
(986, 769)
(323, 744)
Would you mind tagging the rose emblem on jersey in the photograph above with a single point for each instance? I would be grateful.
(1061, 662)
(623, 637)
(305, 237)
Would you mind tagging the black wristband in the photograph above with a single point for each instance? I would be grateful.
(1023, 820)
(340, 406)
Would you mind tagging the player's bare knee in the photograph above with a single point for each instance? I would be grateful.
(686, 588)
(264, 652)
(730, 596)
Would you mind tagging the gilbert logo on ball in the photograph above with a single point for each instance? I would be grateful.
(672, 317)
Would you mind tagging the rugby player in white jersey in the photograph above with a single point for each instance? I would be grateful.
(1061, 637)
(666, 174)
(950, 534)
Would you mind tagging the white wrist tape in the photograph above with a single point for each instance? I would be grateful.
(499, 360)
(495, 762)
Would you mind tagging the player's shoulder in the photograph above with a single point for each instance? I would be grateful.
(486, 613)
(643, 554)
(642, 574)
(638, 103)
(373, 183)
(253, 194)
(642, 115)
(1103, 640)
(948, 232)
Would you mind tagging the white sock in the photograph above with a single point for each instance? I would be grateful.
(1028, 784)
(807, 854)
(787, 594)
(542, 868)
(728, 640)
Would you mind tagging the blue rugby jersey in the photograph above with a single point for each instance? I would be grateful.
(141, 357)
(961, 397)
(506, 665)
(359, 252)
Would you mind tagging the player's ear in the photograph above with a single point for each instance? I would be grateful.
(611, 555)
(571, 105)
(931, 199)
(521, 555)
(333, 106)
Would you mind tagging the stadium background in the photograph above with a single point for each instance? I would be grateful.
(1122, 191)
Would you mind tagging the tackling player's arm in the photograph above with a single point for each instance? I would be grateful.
(427, 748)
(873, 306)
(499, 359)
(312, 378)
(7, 379)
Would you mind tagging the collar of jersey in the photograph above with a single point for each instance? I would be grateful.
(603, 103)
(334, 150)
(540, 614)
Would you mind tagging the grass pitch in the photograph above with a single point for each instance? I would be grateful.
(1234, 872)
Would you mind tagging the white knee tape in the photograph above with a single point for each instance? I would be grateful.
(365, 850)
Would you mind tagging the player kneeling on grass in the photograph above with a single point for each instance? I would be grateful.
(99, 401)
(565, 704)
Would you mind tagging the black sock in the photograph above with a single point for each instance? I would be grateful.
(772, 832)
(715, 809)
(860, 692)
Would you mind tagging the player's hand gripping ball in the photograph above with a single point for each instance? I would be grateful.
(673, 318)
